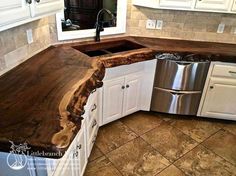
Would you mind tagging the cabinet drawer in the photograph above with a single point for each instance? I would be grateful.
(93, 125)
(224, 71)
(92, 139)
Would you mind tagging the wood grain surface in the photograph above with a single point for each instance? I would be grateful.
(42, 100)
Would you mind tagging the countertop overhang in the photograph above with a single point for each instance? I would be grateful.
(42, 100)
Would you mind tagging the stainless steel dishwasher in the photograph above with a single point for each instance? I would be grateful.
(179, 81)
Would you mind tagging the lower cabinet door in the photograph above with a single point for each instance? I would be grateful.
(113, 93)
(132, 93)
(220, 100)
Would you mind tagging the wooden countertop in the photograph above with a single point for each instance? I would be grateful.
(42, 100)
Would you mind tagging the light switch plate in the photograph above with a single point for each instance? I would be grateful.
(221, 28)
(29, 34)
(159, 24)
(151, 24)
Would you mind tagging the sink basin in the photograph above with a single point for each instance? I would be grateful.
(103, 48)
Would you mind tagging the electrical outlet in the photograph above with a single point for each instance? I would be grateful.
(151, 24)
(29, 34)
(221, 28)
(159, 24)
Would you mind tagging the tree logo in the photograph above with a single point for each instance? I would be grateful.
(17, 158)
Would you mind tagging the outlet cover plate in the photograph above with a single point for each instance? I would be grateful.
(151, 24)
(159, 24)
(221, 28)
(29, 34)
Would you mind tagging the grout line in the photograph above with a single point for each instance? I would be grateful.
(179, 169)
(114, 165)
(199, 144)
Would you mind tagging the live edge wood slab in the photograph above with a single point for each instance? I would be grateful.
(42, 100)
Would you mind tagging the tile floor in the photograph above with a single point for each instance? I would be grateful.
(154, 144)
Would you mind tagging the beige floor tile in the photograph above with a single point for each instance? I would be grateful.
(223, 143)
(138, 158)
(202, 162)
(95, 153)
(101, 167)
(142, 122)
(169, 141)
(231, 127)
(198, 129)
(113, 135)
(171, 171)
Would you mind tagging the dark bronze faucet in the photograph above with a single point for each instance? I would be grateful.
(99, 24)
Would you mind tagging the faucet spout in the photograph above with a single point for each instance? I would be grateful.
(99, 24)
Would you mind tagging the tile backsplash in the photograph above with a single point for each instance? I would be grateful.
(187, 25)
(14, 48)
(200, 26)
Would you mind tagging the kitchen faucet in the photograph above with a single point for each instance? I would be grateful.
(99, 25)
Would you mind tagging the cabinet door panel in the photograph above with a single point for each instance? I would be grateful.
(81, 148)
(220, 100)
(13, 11)
(213, 4)
(113, 100)
(234, 6)
(46, 6)
(132, 94)
(176, 3)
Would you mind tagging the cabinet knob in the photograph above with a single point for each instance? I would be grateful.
(123, 87)
(94, 123)
(127, 86)
(211, 87)
(75, 154)
(38, 1)
(29, 1)
(79, 146)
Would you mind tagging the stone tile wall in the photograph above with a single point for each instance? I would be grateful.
(14, 48)
(200, 26)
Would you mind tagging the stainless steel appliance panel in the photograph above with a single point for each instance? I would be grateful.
(181, 75)
(175, 102)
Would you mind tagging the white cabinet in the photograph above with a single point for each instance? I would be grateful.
(177, 3)
(13, 11)
(80, 150)
(220, 100)
(234, 6)
(226, 6)
(121, 97)
(146, 3)
(17, 12)
(113, 93)
(127, 89)
(92, 120)
(74, 162)
(45, 6)
(132, 93)
(221, 5)
(219, 96)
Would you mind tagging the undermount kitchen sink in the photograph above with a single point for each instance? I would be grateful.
(103, 48)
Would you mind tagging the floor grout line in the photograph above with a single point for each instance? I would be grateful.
(200, 143)
(114, 166)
